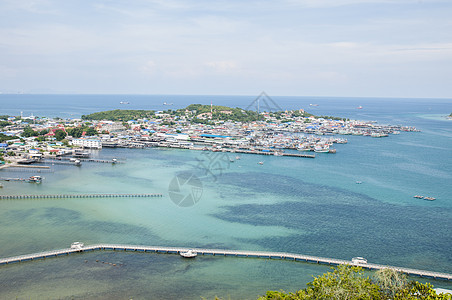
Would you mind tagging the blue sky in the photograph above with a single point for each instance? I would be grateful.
(374, 48)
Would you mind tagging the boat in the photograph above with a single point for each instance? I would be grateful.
(189, 254)
(359, 107)
(359, 260)
(35, 179)
(418, 197)
(77, 245)
(124, 102)
(429, 198)
(313, 105)
(261, 162)
(359, 182)
(237, 157)
(165, 103)
(322, 149)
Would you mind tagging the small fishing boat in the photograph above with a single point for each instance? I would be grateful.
(359, 260)
(77, 245)
(189, 254)
(35, 179)
(261, 162)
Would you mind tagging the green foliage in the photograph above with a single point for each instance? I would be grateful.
(4, 123)
(28, 132)
(120, 115)
(349, 282)
(4, 137)
(220, 113)
(78, 131)
(60, 134)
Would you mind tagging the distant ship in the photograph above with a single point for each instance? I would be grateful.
(165, 103)
(359, 107)
(313, 105)
(124, 102)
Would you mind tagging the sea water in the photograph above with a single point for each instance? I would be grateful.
(298, 205)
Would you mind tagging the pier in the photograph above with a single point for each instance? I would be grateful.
(222, 252)
(105, 161)
(62, 196)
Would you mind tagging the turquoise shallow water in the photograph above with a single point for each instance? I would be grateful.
(309, 206)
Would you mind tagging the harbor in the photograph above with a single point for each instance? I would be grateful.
(78, 247)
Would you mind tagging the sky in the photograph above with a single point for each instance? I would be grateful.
(344, 48)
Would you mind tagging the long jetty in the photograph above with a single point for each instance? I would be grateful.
(222, 252)
(77, 196)
(109, 161)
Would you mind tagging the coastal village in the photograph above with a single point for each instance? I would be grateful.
(24, 140)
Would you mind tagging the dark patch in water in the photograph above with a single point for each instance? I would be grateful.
(286, 186)
(343, 230)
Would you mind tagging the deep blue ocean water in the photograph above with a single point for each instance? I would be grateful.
(308, 206)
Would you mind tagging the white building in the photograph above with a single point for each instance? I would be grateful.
(87, 143)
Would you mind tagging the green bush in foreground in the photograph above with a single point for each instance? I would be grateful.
(347, 282)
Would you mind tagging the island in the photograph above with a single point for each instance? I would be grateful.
(294, 133)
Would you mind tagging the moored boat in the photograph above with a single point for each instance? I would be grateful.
(189, 254)
(35, 179)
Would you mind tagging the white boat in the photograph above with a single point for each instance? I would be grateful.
(359, 107)
(35, 179)
(322, 149)
(77, 245)
(123, 102)
(359, 182)
(313, 105)
(261, 162)
(165, 103)
(237, 157)
(359, 260)
(189, 254)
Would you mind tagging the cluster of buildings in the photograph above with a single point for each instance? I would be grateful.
(272, 133)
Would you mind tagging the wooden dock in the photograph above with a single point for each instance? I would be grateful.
(222, 252)
(61, 196)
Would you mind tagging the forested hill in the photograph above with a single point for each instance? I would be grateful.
(195, 113)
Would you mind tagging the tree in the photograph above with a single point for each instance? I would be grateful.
(391, 282)
(90, 131)
(348, 282)
(28, 132)
(60, 134)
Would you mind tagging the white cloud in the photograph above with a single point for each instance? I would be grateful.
(222, 66)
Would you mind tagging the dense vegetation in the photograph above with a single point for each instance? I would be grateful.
(120, 115)
(200, 113)
(346, 282)
(4, 123)
(4, 137)
(28, 132)
(78, 131)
